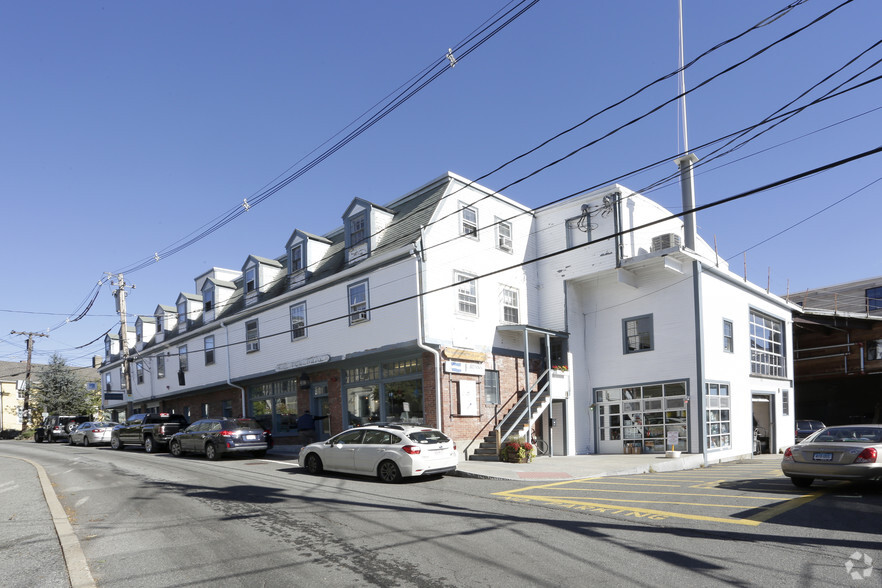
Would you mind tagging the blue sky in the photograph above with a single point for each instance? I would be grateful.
(126, 126)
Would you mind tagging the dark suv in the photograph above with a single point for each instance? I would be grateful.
(55, 427)
(215, 437)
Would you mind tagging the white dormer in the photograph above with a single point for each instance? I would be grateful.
(166, 321)
(189, 310)
(111, 346)
(145, 330)
(259, 274)
(216, 295)
(217, 273)
(305, 251)
(127, 338)
(363, 222)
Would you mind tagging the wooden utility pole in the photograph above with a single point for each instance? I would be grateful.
(26, 411)
(120, 295)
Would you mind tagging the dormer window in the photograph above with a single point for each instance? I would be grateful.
(160, 323)
(296, 258)
(182, 315)
(139, 332)
(250, 280)
(107, 348)
(356, 230)
(208, 299)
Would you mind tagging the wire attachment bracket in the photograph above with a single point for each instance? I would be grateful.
(450, 57)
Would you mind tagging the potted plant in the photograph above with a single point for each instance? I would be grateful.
(517, 452)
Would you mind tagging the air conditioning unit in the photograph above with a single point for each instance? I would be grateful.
(666, 241)
(252, 346)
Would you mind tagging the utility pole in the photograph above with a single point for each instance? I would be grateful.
(120, 295)
(26, 411)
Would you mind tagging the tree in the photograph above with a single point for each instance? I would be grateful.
(61, 391)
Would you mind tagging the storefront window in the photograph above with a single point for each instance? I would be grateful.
(390, 392)
(717, 412)
(639, 419)
(274, 405)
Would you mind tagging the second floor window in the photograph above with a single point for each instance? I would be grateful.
(209, 349)
(358, 303)
(182, 357)
(467, 293)
(298, 321)
(510, 312)
(252, 337)
(160, 366)
(637, 334)
(728, 337)
(766, 346)
(108, 382)
(139, 372)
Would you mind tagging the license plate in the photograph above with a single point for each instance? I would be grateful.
(251, 437)
(823, 457)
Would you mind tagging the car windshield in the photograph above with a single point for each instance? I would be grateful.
(427, 436)
(849, 435)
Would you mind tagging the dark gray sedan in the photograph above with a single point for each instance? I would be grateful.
(215, 437)
(848, 452)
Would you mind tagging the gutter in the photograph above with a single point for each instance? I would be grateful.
(418, 252)
(229, 367)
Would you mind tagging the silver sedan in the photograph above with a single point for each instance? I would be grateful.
(92, 433)
(848, 452)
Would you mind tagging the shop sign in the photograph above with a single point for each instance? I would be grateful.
(315, 359)
(462, 367)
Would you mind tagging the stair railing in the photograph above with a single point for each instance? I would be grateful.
(516, 415)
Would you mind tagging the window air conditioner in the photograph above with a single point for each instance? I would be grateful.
(666, 241)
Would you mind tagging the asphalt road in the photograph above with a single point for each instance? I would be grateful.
(156, 520)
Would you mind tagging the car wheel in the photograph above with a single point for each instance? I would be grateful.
(70, 440)
(211, 452)
(260, 454)
(801, 482)
(116, 443)
(175, 448)
(314, 464)
(38, 438)
(149, 445)
(85, 441)
(387, 471)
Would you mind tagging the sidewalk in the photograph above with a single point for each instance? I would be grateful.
(544, 469)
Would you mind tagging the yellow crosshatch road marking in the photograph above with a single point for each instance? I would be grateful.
(598, 500)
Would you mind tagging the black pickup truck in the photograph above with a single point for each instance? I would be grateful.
(152, 430)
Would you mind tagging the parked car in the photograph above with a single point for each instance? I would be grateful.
(806, 427)
(216, 437)
(848, 452)
(55, 427)
(390, 452)
(152, 430)
(92, 433)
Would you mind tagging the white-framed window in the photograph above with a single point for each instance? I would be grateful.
(766, 346)
(251, 280)
(139, 371)
(296, 258)
(208, 343)
(160, 323)
(108, 382)
(503, 236)
(160, 366)
(491, 387)
(298, 321)
(467, 293)
(358, 303)
(468, 221)
(785, 401)
(357, 229)
(208, 299)
(139, 332)
(637, 334)
(252, 336)
(182, 358)
(717, 408)
(122, 380)
(728, 336)
(510, 306)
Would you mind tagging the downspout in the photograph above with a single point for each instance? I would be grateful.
(229, 367)
(419, 254)
(699, 359)
(617, 228)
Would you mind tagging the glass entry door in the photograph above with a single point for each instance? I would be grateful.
(320, 406)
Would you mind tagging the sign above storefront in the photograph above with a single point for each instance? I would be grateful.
(462, 367)
(314, 360)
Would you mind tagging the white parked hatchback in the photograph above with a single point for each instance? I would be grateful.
(390, 452)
